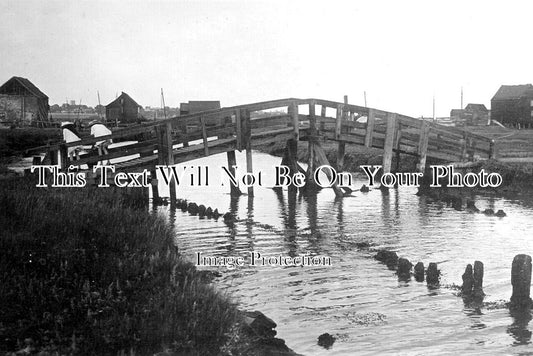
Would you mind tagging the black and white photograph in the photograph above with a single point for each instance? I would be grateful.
(266, 178)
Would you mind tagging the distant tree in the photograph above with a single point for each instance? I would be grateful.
(55, 108)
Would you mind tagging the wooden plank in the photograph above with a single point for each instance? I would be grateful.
(389, 142)
(323, 161)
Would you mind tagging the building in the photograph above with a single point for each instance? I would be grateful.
(471, 115)
(123, 109)
(197, 106)
(512, 105)
(22, 103)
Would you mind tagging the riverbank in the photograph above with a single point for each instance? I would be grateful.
(91, 271)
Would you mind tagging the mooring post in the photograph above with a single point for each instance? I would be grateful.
(423, 146)
(232, 162)
(248, 146)
(341, 148)
(370, 122)
(169, 159)
(521, 281)
(389, 142)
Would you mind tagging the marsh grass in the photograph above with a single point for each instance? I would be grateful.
(90, 271)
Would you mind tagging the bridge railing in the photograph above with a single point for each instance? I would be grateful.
(239, 127)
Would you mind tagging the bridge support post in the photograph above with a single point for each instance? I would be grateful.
(389, 142)
(370, 122)
(423, 146)
(312, 138)
(155, 188)
(232, 162)
(341, 149)
(166, 154)
(247, 128)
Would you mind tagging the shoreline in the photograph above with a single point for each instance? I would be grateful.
(95, 272)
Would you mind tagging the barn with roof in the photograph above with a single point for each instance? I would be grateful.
(512, 105)
(123, 109)
(22, 103)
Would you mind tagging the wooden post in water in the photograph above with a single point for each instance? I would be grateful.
(370, 122)
(478, 279)
(204, 135)
(389, 142)
(312, 138)
(397, 144)
(169, 153)
(155, 188)
(423, 146)
(323, 115)
(521, 281)
(238, 129)
(247, 128)
(295, 119)
(232, 162)
(341, 148)
(323, 161)
(468, 281)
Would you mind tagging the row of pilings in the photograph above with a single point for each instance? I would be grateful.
(472, 287)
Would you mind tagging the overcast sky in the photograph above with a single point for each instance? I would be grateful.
(400, 52)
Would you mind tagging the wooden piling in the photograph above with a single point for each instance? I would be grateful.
(404, 268)
(155, 188)
(370, 122)
(478, 280)
(521, 281)
(232, 162)
(341, 148)
(433, 275)
(238, 129)
(468, 281)
(312, 138)
(247, 129)
(295, 119)
(423, 146)
(204, 135)
(389, 142)
(63, 157)
(419, 272)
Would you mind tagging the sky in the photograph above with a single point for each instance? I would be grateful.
(401, 53)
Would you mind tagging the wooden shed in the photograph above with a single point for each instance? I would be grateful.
(512, 105)
(22, 103)
(123, 109)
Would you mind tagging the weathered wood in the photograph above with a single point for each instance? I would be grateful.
(310, 148)
(389, 142)
(204, 135)
(248, 146)
(154, 183)
(423, 147)
(232, 162)
(521, 281)
(238, 129)
(169, 158)
(341, 146)
(64, 158)
(371, 119)
(322, 160)
(293, 112)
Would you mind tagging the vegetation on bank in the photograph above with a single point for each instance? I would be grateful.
(13, 141)
(90, 271)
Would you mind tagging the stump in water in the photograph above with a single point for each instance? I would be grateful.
(404, 269)
(326, 340)
(521, 281)
(387, 257)
(419, 272)
(478, 280)
(433, 275)
(468, 281)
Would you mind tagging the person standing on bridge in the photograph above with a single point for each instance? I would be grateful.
(71, 135)
(97, 130)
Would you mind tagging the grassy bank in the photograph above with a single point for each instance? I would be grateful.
(90, 271)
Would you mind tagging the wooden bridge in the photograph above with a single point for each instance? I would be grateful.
(180, 139)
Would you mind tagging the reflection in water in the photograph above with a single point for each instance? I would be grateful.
(519, 328)
(309, 301)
